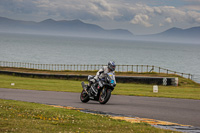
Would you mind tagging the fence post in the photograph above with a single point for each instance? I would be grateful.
(188, 76)
(142, 69)
(90, 67)
(132, 68)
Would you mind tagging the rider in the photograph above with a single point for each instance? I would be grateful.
(102, 72)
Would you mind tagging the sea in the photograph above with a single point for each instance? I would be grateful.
(53, 49)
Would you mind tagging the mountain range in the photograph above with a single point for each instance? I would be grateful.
(79, 28)
(63, 27)
(190, 35)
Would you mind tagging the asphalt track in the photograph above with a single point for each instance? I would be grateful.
(182, 111)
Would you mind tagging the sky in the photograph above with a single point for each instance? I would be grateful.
(138, 16)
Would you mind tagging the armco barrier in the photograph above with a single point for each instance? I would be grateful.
(93, 67)
(120, 79)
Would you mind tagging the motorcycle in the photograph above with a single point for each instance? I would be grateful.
(99, 91)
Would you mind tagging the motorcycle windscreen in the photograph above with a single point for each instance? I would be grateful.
(112, 78)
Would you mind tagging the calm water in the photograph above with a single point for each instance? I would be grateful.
(72, 50)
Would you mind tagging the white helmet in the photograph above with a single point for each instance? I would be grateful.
(111, 65)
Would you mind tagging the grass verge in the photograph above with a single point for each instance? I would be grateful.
(185, 91)
(23, 117)
(182, 80)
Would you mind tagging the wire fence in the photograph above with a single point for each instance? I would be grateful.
(92, 67)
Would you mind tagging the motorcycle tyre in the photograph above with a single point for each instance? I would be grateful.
(108, 94)
(84, 99)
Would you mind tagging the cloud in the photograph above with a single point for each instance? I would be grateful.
(193, 17)
(79, 9)
(168, 20)
(168, 14)
(194, 1)
(18, 6)
(192, 7)
(135, 13)
(141, 19)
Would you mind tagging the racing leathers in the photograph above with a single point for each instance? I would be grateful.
(101, 74)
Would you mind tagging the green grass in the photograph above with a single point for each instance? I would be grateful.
(187, 91)
(23, 117)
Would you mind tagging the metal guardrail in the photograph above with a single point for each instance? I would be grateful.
(86, 67)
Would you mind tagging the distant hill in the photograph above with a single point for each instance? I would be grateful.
(79, 28)
(63, 27)
(175, 35)
(193, 32)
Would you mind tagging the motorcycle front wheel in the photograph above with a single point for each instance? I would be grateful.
(84, 97)
(104, 96)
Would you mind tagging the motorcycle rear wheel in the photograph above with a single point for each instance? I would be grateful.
(104, 96)
(84, 97)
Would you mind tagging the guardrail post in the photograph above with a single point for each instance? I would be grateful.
(141, 68)
(132, 68)
(118, 67)
(90, 67)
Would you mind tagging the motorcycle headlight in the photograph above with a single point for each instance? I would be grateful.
(113, 85)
